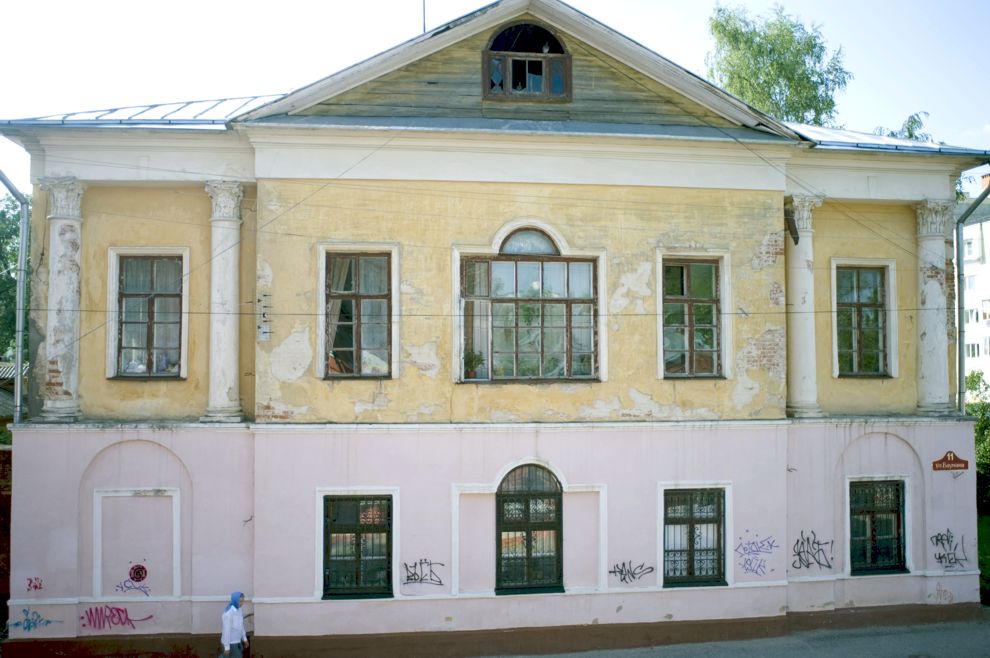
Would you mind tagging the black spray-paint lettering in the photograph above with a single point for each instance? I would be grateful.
(627, 573)
(811, 551)
(422, 572)
(951, 554)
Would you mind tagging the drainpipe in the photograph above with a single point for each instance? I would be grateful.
(21, 281)
(960, 299)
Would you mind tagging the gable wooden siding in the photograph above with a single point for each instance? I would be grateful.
(448, 84)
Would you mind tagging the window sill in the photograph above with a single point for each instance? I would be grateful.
(508, 591)
(356, 378)
(869, 375)
(707, 378)
(358, 595)
(144, 378)
(880, 572)
(706, 583)
(574, 380)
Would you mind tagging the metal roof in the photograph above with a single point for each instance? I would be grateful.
(840, 138)
(186, 114)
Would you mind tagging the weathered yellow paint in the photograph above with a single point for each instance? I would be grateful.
(875, 231)
(427, 220)
(146, 216)
(449, 84)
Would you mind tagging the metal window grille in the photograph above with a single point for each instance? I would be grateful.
(861, 320)
(529, 532)
(150, 316)
(357, 546)
(876, 524)
(694, 541)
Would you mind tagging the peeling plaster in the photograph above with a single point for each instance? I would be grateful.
(644, 406)
(412, 293)
(633, 283)
(379, 401)
(290, 359)
(503, 417)
(765, 353)
(769, 251)
(777, 294)
(275, 411)
(600, 409)
(264, 274)
(424, 358)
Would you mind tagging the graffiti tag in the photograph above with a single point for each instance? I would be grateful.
(109, 616)
(943, 595)
(627, 573)
(137, 573)
(32, 620)
(422, 572)
(130, 586)
(751, 554)
(810, 551)
(34, 584)
(951, 554)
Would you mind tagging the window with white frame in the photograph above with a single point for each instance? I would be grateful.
(691, 318)
(864, 318)
(972, 350)
(147, 312)
(529, 312)
(969, 248)
(972, 315)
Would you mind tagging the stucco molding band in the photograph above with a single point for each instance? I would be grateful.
(224, 403)
(933, 344)
(60, 388)
(802, 372)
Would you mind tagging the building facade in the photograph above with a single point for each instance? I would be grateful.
(517, 325)
(976, 281)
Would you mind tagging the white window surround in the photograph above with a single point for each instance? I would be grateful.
(725, 304)
(459, 489)
(167, 492)
(113, 309)
(324, 248)
(890, 306)
(321, 492)
(492, 249)
(908, 557)
(727, 527)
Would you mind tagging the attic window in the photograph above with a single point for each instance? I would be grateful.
(526, 62)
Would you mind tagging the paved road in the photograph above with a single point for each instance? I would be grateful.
(949, 640)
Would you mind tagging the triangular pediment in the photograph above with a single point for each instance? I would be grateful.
(438, 76)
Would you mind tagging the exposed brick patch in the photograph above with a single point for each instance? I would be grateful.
(765, 352)
(769, 251)
(950, 300)
(776, 294)
(54, 386)
(266, 413)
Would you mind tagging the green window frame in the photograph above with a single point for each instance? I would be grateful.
(149, 305)
(876, 527)
(357, 546)
(692, 317)
(861, 321)
(693, 537)
(358, 315)
(529, 532)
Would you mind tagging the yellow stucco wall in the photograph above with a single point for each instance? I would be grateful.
(151, 216)
(867, 231)
(426, 220)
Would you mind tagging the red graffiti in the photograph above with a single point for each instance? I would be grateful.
(34, 584)
(109, 616)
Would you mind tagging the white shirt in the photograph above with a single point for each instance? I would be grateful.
(232, 628)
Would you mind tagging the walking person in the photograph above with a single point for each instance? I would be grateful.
(232, 634)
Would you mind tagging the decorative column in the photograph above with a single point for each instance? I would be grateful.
(933, 344)
(224, 404)
(60, 389)
(802, 373)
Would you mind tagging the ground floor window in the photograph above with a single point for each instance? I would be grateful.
(357, 546)
(694, 537)
(529, 532)
(876, 525)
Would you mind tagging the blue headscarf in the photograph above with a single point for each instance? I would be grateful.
(234, 598)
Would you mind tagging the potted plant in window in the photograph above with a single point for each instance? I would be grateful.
(472, 361)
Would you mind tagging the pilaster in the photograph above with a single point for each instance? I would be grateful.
(802, 372)
(933, 344)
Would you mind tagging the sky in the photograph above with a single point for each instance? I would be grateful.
(63, 56)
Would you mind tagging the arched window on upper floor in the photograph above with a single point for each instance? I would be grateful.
(526, 62)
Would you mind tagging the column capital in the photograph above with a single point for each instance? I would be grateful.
(226, 196)
(64, 197)
(933, 216)
(803, 204)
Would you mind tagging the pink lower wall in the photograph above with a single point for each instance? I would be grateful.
(204, 510)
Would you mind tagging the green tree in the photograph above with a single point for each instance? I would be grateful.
(912, 128)
(978, 406)
(10, 218)
(776, 64)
